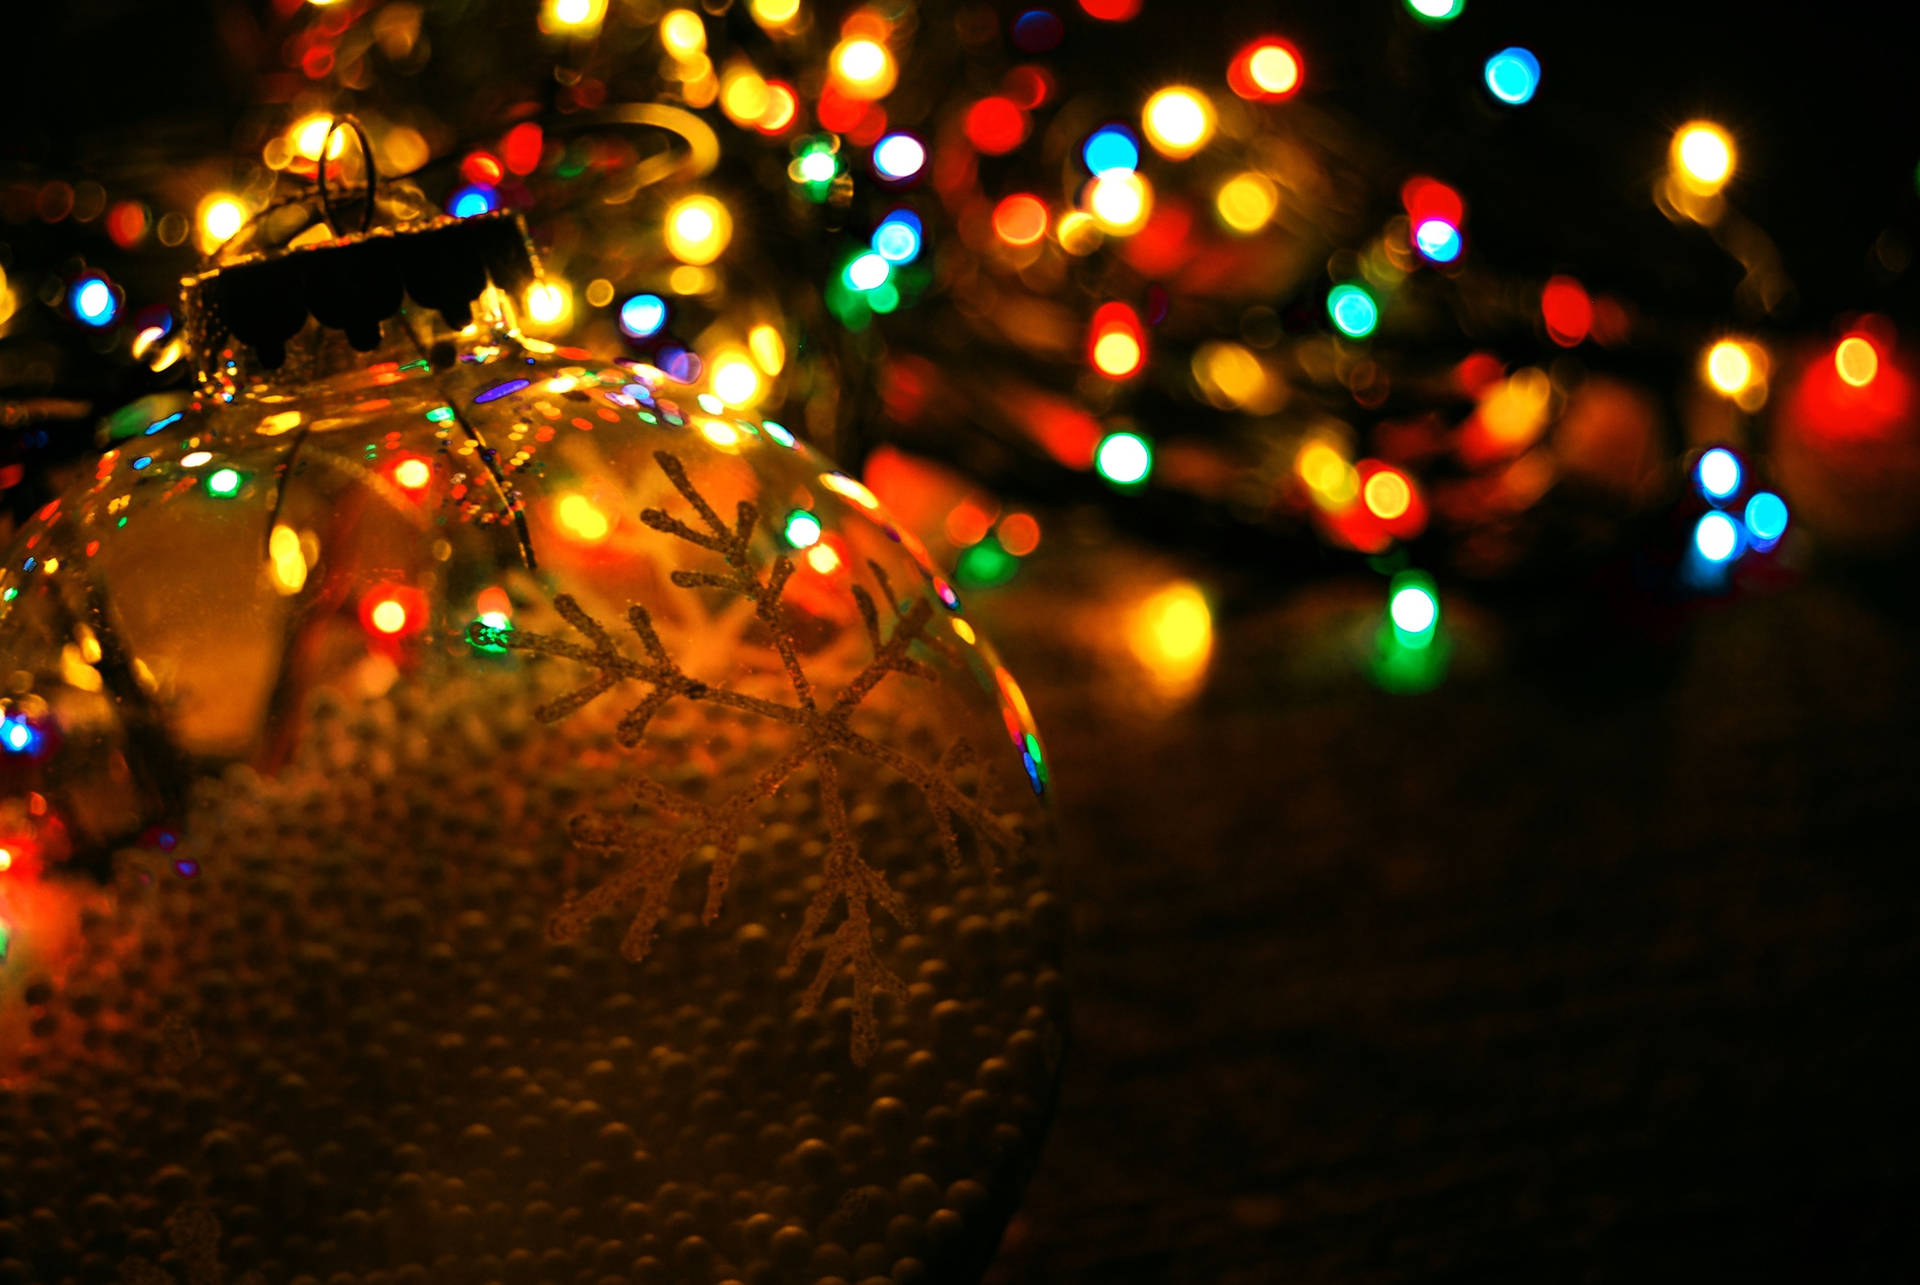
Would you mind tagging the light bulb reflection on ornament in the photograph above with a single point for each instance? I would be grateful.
(1856, 361)
(581, 519)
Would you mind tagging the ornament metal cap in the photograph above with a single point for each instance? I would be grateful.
(353, 282)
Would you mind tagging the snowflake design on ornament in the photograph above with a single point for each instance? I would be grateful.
(651, 857)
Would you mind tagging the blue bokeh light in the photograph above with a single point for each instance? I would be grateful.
(897, 239)
(643, 315)
(1718, 474)
(1109, 148)
(1766, 519)
(18, 736)
(93, 301)
(1513, 75)
(471, 200)
(1437, 240)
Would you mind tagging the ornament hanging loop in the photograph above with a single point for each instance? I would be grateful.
(359, 131)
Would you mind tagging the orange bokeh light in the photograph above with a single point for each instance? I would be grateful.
(1020, 219)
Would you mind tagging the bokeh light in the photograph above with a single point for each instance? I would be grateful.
(682, 32)
(1513, 76)
(868, 272)
(1766, 518)
(698, 229)
(1120, 202)
(309, 135)
(1171, 633)
(219, 217)
(1702, 157)
(643, 315)
(225, 483)
(996, 125)
(1352, 310)
(582, 519)
(1718, 474)
(1856, 361)
(1414, 608)
(1729, 367)
(801, 530)
(412, 474)
(899, 157)
(1246, 202)
(1111, 147)
(1387, 494)
(1178, 121)
(735, 379)
(1567, 310)
(471, 200)
(1436, 11)
(1437, 240)
(549, 303)
(863, 68)
(1020, 219)
(1267, 70)
(898, 238)
(93, 301)
(1716, 537)
(1116, 341)
(1124, 458)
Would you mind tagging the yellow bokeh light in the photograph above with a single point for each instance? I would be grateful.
(1247, 201)
(582, 519)
(413, 474)
(1387, 495)
(1231, 376)
(1117, 353)
(744, 96)
(1120, 202)
(1178, 121)
(1856, 361)
(220, 216)
(1703, 157)
(572, 14)
(735, 381)
(864, 67)
(1078, 232)
(775, 13)
(1334, 482)
(600, 292)
(682, 32)
(1274, 69)
(1515, 412)
(1170, 632)
(720, 433)
(1729, 368)
(823, 559)
(388, 616)
(310, 135)
(286, 564)
(549, 303)
(698, 229)
(767, 347)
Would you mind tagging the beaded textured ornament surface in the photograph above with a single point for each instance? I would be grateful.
(378, 711)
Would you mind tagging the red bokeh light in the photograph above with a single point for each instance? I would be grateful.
(1427, 198)
(995, 125)
(522, 146)
(1567, 310)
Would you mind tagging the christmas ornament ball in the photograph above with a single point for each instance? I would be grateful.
(477, 812)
